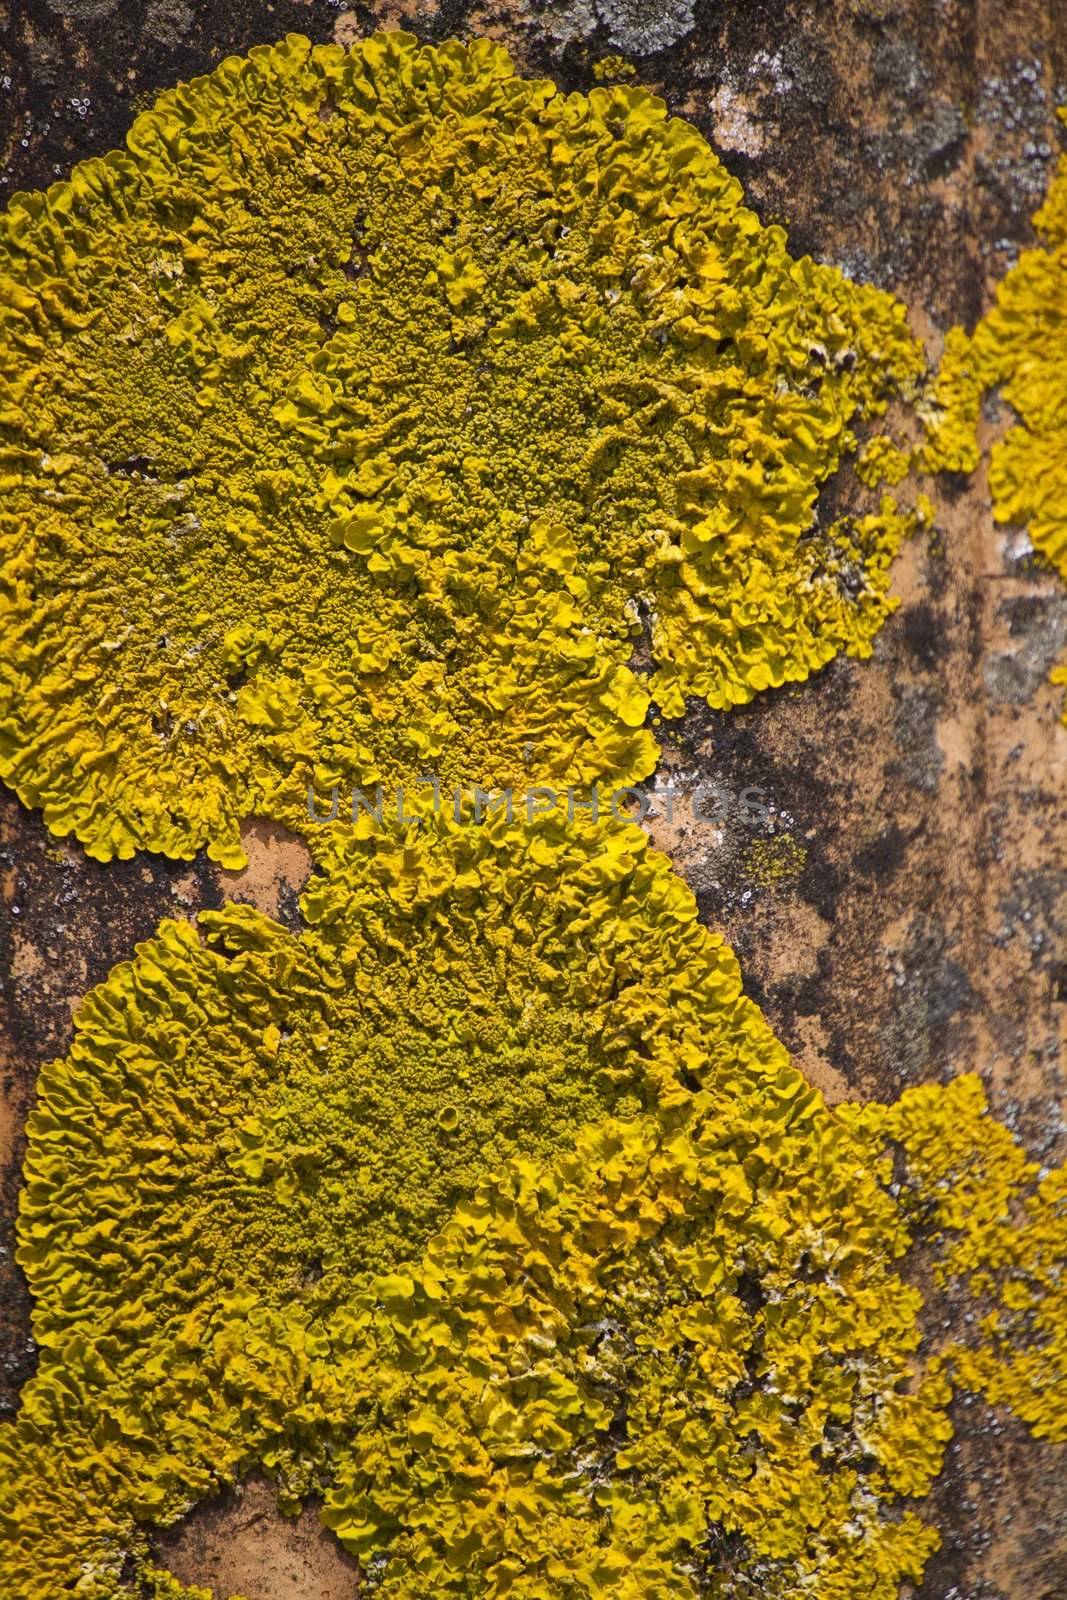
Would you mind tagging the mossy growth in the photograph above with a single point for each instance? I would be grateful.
(490, 1208)
(354, 417)
(1020, 349)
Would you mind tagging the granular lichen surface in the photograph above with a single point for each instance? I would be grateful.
(358, 418)
(619, 1312)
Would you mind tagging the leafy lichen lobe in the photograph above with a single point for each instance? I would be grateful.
(355, 420)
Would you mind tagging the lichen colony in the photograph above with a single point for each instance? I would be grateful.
(355, 423)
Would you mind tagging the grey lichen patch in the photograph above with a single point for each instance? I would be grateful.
(1038, 625)
(83, 10)
(920, 758)
(736, 126)
(638, 27)
(1034, 911)
(932, 989)
(1014, 107)
(642, 27)
(169, 20)
(563, 20)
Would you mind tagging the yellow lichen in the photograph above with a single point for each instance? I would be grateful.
(353, 417)
(613, 67)
(774, 861)
(664, 1363)
(235, 1178)
(1020, 349)
(1002, 1225)
(490, 1208)
(881, 461)
(351, 424)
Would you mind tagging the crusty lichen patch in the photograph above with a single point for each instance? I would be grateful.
(309, 1110)
(1003, 1220)
(490, 1208)
(776, 860)
(351, 415)
(1020, 349)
